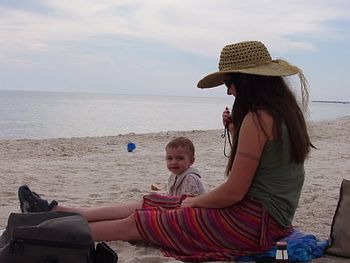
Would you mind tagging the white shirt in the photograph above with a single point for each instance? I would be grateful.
(188, 183)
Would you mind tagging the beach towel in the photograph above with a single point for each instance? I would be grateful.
(301, 247)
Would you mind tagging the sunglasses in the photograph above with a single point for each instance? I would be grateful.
(228, 82)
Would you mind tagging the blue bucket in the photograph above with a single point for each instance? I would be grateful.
(131, 146)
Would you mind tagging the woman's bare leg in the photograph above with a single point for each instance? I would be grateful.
(106, 212)
(123, 229)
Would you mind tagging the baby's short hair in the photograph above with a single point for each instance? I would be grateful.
(183, 142)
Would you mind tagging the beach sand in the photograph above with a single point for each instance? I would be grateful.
(98, 170)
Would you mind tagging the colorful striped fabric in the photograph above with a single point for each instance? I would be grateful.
(201, 234)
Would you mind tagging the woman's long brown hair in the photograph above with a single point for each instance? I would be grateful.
(272, 94)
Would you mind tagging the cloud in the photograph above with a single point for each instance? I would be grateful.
(196, 26)
(81, 43)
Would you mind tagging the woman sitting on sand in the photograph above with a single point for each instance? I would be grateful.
(255, 206)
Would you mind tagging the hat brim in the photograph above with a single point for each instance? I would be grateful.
(272, 68)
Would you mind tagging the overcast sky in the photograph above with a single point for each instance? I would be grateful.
(163, 47)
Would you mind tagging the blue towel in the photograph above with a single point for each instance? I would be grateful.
(301, 247)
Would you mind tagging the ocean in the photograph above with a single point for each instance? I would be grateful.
(42, 115)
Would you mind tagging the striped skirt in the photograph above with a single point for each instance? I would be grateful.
(202, 234)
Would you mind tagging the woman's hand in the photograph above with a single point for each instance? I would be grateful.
(226, 117)
(188, 202)
(227, 120)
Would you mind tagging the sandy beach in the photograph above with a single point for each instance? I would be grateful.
(98, 170)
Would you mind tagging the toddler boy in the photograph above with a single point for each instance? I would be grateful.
(184, 179)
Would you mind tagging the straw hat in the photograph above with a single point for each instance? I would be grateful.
(250, 57)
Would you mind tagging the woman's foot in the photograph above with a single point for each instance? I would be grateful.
(32, 202)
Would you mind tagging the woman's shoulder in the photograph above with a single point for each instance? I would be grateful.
(262, 120)
(260, 115)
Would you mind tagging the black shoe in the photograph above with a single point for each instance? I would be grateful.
(32, 202)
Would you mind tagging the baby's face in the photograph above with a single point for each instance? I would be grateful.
(178, 160)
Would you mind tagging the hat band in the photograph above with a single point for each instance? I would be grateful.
(238, 67)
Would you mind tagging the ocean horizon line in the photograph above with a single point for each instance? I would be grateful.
(149, 95)
(331, 101)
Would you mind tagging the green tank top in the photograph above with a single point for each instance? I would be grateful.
(277, 183)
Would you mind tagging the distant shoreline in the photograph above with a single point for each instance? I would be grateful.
(332, 101)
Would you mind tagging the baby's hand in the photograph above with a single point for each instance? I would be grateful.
(157, 187)
(154, 188)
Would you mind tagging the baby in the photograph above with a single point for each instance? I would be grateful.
(184, 179)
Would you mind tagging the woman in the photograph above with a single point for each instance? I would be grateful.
(254, 208)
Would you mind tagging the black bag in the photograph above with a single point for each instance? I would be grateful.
(51, 237)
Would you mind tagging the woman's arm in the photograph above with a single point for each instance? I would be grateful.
(250, 146)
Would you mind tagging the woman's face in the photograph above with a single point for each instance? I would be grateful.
(231, 90)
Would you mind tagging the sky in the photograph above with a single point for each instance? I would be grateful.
(164, 47)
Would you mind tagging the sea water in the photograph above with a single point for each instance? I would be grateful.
(40, 115)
